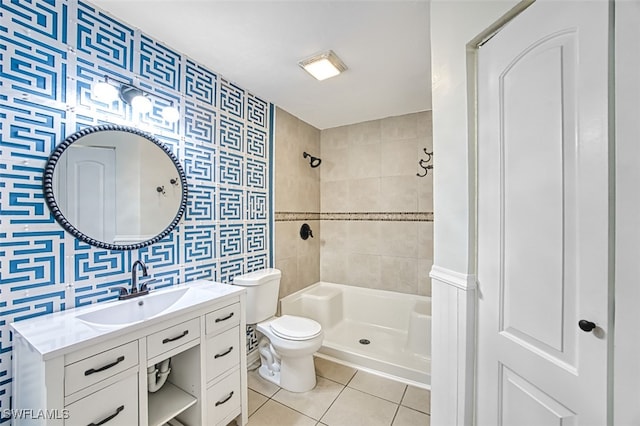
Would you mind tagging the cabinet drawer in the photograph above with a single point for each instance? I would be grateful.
(98, 367)
(222, 318)
(172, 337)
(223, 352)
(223, 398)
(119, 402)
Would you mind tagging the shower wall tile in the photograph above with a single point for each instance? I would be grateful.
(289, 281)
(335, 138)
(400, 194)
(425, 127)
(297, 184)
(53, 51)
(364, 270)
(334, 267)
(335, 196)
(364, 195)
(400, 127)
(425, 240)
(399, 273)
(371, 167)
(308, 269)
(335, 235)
(424, 281)
(425, 193)
(297, 191)
(364, 161)
(286, 245)
(335, 164)
(400, 238)
(366, 133)
(364, 237)
(398, 157)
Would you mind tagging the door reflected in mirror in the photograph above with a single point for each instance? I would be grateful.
(115, 187)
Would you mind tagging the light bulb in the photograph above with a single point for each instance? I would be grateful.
(141, 104)
(104, 92)
(170, 114)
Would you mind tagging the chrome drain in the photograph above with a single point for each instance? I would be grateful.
(364, 341)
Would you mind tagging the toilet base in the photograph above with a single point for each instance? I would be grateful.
(295, 375)
(271, 376)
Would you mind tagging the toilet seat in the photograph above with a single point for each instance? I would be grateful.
(295, 328)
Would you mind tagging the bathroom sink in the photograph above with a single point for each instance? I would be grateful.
(138, 309)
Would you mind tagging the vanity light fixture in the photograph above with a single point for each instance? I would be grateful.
(105, 91)
(323, 65)
(130, 94)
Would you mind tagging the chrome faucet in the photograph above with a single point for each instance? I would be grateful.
(135, 291)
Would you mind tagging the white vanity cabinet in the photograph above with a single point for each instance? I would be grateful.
(91, 375)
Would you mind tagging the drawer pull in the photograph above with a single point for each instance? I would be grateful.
(224, 318)
(225, 400)
(227, 352)
(105, 367)
(173, 339)
(106, 419)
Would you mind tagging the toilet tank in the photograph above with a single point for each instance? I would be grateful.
(262, 293)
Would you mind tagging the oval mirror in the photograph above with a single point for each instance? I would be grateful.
(115, 187)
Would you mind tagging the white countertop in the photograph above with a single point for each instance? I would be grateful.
(61, 332)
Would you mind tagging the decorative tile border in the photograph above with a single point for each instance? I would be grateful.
(367, 216)
(295, 216)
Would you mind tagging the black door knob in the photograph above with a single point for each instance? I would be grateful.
(586, 325)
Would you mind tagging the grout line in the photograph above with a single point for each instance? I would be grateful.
(395, 415)
(333, 402)
(378, 396)
(293, 409)
(406, 389)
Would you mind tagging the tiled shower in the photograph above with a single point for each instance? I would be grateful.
(369, 203)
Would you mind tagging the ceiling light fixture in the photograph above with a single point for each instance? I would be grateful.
(139, 100)
(323, 65)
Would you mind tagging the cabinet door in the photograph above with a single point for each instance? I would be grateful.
(115, 405)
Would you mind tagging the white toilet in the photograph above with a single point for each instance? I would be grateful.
(286, 351)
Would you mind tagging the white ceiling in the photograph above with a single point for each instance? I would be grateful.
(257, 44)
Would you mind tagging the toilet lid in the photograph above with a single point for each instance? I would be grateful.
(295, 328)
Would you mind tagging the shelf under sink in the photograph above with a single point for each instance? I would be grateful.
(167, 403)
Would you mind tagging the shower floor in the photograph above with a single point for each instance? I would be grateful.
(385, 354)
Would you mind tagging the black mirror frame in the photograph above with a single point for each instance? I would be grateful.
(47, 186)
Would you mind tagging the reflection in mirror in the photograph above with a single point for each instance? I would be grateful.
(115, 187)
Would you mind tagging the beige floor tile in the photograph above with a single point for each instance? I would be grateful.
(275, 414)
(355, 408)
(378, 386)
(260, 385)
(408, 417)
(313, 403)
(334, 371)
(418, 399)
(255, 401)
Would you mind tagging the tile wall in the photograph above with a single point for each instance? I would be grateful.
(376, 213)
(51, 52)
(297, 201)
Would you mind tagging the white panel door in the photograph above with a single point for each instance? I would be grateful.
(91, 191)
(543, 218)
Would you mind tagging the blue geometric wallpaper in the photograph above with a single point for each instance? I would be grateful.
(51, 53)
